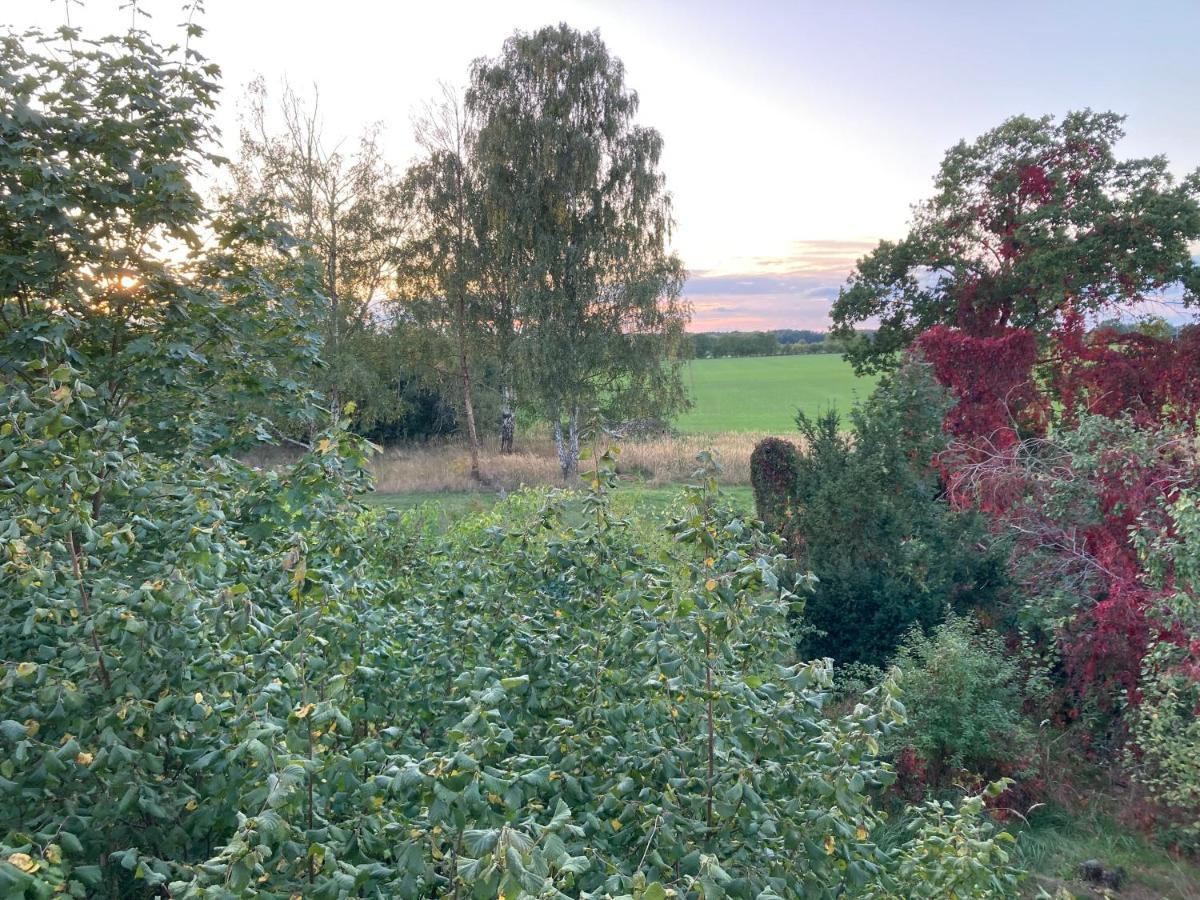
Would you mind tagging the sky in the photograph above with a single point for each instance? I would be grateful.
(797, 134)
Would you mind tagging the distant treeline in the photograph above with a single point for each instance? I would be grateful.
(781, 342)
(789, 341)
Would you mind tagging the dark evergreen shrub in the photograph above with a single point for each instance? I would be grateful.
(868, 518)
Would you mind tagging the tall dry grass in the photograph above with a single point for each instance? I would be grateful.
(446, 466)
(656, 461)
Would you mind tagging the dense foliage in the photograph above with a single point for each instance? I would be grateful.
(963, 698)
(1074, 439)
(774, 466)
(865, 513)
(223, 682)
(1166, 727)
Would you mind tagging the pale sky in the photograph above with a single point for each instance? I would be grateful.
(797, 134)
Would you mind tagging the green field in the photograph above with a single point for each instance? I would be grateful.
(762, 393)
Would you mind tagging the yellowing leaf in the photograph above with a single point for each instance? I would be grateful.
(32, 727)
(861, 833)
(616, 825)
(84, 758)
(24, 862)
(191, 805)
(710, 585)
(198, 697)
(53, 853)
(323, 445)
(25, 669)
(302, 712)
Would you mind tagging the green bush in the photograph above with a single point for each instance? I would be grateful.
(773, 469)
(869, 520)
(962, 693)
(1166, 721)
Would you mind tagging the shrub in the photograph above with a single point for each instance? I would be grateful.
(773, 469)
(1166, 723)
(963, 699)
(869, 520)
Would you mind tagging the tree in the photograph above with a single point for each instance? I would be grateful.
(1032, 219)
(346, 207)
(571, 187)
(132, 356)
(866, 514)
(441, 261)
(962, 693)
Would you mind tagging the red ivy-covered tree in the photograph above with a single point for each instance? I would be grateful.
(991, 379)
(1028, 221)
(1110, 373)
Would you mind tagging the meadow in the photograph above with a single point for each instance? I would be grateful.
(762, 393)
(736, 403)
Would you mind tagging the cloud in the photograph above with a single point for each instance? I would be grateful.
(797, 290)
(794, 290)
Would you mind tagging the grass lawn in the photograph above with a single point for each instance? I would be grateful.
(762, 393)
(1052, 848)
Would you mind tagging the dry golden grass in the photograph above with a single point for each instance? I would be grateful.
(656, 461)
(446, 466)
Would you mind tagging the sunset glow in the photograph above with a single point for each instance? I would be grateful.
(796, 135)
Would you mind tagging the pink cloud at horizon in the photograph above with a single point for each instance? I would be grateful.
(793, 290)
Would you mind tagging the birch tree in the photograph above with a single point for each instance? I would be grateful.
(345, 204)
(580, 219)
(440, 264)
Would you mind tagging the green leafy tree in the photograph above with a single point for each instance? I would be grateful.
(441, 263)
(346, 209)
(1031, 218)
(576, 201)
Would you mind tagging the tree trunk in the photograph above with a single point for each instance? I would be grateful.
(574, 441)
(464, 372)
(335, 405)
(567, 444)
(508, 418)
